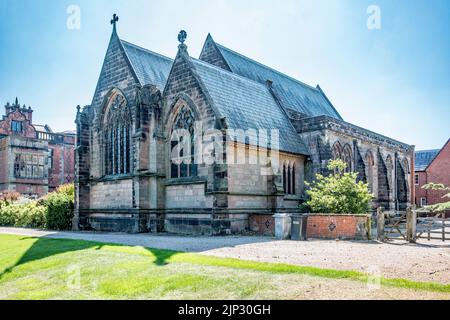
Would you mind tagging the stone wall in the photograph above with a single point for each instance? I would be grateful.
(254, 186)
(212, 55)
(116, 76)
(262, 224)
(111, 195)
(188, 196)
(385, 164)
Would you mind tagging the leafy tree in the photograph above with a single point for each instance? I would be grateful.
(339, 192)
(439, 207)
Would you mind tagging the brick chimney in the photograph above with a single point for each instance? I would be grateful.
(28, 112)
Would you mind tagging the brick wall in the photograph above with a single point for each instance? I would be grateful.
(27, 129)
(338, 227)
(437, 172)
(421, 193)
(62, 167)
(9, 147)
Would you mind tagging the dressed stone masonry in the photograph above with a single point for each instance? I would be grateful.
(127, 178)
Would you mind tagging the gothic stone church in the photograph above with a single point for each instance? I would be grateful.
(127, 180)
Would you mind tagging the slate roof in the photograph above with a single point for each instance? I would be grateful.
(150, 67)
(292, 93)
(424, 158)
(247, 104)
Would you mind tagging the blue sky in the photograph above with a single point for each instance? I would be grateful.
(395, 80)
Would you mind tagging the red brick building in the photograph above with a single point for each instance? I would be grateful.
(33, 159)
(431, 166)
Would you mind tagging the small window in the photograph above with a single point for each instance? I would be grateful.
(50, 158)
(423, 202)
(29, 166)
(16, 126)
(416, 179)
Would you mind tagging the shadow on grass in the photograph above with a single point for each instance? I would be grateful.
(47, 247)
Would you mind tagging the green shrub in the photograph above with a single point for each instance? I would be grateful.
(54, 211)
(339, 192)
(59, 208)
(8, 214)
(30, 215)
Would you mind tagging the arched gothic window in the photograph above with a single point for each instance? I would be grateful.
(348, 158)
(389, 168)
(116, 137)
(337, 151)
(405, 165)
(293, 179)
(183, 145)
(289, 179)
(370, 164)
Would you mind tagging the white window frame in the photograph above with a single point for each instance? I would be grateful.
(423, 201)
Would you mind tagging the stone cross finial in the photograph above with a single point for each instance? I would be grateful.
(182, 36)
(114, 20)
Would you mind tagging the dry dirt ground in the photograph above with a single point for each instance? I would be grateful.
(424, 261)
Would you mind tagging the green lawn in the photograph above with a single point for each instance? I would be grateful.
(42, 268)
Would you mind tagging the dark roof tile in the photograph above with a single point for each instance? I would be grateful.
(150, 67)
(247, 104)
(424, 158)
(292, 93)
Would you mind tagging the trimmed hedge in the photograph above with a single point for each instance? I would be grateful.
(54, 211)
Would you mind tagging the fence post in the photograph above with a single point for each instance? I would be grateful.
(380, 224)
(411, 225)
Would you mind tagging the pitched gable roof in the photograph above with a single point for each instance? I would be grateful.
(424, 158)
(246, 104)
(149, 67)
(291, 93)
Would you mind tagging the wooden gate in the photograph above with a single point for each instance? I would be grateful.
(392, 225)
(433, 226)
(411, 225)
(396, 225)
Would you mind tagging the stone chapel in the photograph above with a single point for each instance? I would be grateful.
(129, 179)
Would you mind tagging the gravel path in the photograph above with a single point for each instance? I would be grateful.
(426, 261)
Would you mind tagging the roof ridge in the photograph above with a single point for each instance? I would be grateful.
(145, 50)
(267, 67)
